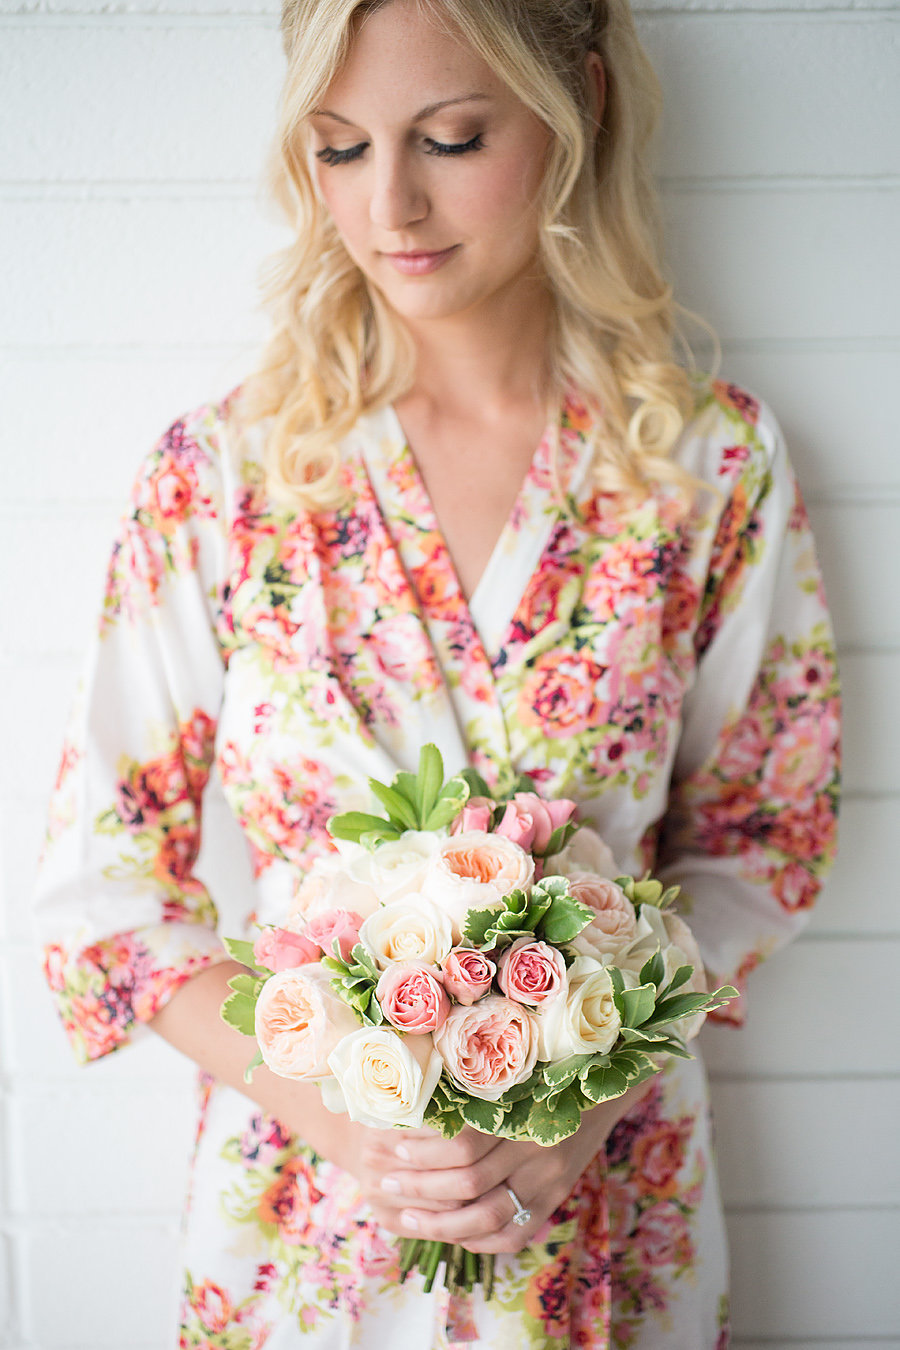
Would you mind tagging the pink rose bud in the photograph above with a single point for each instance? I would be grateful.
(542, 817)
(531, 972)
(412, 997)
(467, 974)
(280, 949)
(475, 815)
(335, 925)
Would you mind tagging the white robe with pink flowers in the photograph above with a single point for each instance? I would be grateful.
(673, 674)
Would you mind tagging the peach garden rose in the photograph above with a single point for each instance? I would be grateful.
(475, 870)
(489, 1047)
(299, 1021)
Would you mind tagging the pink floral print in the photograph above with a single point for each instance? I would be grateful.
(672, 671)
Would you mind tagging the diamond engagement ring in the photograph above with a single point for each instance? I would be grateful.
(522, 1215)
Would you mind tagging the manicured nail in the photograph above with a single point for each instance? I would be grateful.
(391, 1184)
(402, 1152)
(410, 1221)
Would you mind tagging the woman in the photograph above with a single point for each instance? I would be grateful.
(470, 498)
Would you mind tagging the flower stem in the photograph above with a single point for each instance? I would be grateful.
(435, 1255)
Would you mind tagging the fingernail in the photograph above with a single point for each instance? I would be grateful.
(402, 1152)
(390, 1184)
(410, 1221)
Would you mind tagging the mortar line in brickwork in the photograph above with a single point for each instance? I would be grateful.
(248, 189)
(31, 16)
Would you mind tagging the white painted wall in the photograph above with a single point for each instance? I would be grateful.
(131, 231)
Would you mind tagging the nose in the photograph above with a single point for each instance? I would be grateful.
(398, 197)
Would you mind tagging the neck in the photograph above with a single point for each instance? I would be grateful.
(478, 364)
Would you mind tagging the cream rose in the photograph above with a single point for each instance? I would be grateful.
(586, 1021)
(613, 924)
(395, 868)
(475, 870)
(662, 930)
(328, 885)
(585, 852)
(411, 929)
(299, 1021)
(488, 1047)
(386, 1081)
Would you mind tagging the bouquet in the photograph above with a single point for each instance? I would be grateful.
(463, 960)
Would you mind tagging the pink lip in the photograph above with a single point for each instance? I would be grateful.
(417, 264)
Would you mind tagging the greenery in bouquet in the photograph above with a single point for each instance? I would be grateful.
(463, 960)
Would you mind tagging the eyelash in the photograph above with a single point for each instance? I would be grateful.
(329, 155)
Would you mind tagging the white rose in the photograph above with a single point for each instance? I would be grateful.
(397, 867)
(585, 852)
(587, 1021)
(386, 1080)
(411, 929)
(475, 870)
(329, 885)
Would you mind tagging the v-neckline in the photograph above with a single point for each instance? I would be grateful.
(473, 602)
(523, 537)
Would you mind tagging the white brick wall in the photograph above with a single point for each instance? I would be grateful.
(131, 234)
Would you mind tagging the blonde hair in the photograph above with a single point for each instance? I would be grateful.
(337, 348)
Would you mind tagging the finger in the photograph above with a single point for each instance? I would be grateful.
(434, 1153)
(488, 1219)
(455, 1186)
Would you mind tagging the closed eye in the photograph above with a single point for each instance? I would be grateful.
(329, 155)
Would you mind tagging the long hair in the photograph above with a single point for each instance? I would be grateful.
(338, 349)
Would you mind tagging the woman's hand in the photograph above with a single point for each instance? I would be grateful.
(456, 1190)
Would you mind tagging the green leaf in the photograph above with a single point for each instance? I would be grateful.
(548, 1124)
(398, 808)
(681, 976)
(559, 838)
(564, 919)
(241, 951)
(407, 784)
(515, 1122)
(254, 1064)
(370, 839)
(522, 1090)
(653, 971)
(451, 801)
(601, 1083)
(559, 1074)
(478, 921)
(352, 824)
(638, 1004)
(680, 1005)
(246, 984)
(430, 780)
(239, 1011)
(475, 783)
(481, 1115)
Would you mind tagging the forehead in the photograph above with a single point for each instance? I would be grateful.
(402, 60)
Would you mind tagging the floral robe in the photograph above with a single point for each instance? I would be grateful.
(672, 672)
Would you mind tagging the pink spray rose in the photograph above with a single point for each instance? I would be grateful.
(529, 821)
(531, 972)
(489, 1047)
(335, 925)
(412, 997)
(467, 974)
(475, 815)
(280, 949)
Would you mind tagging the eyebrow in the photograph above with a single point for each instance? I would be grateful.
(428, 111)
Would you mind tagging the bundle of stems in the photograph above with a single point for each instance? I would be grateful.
(463, 1270)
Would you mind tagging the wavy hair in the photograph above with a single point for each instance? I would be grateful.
(337, 348)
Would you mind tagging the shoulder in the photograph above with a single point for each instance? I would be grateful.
(194, 468)
(732, 438)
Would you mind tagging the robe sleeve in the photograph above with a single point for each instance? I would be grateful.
(751, 827)
(122, 918)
